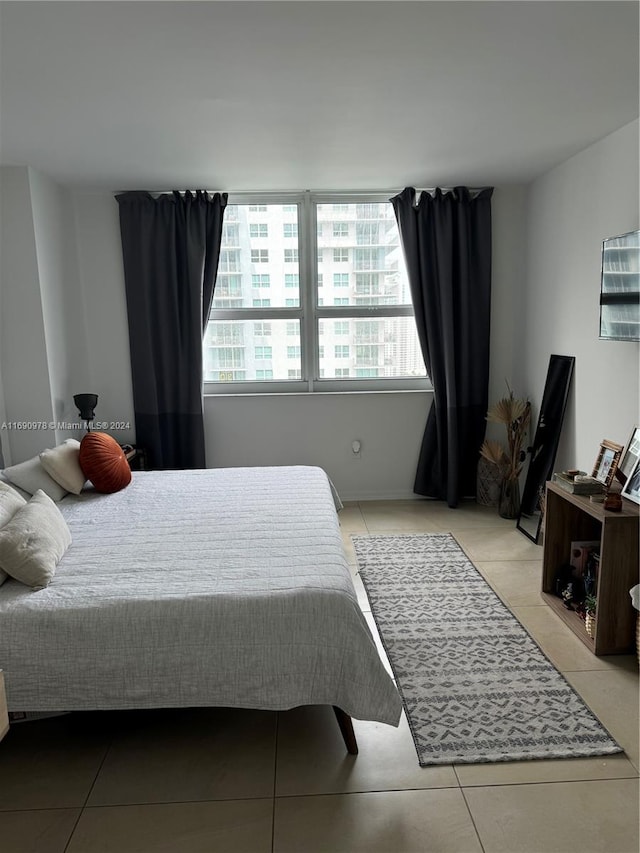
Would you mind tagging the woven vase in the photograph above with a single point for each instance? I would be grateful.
(488, 482)
(509, 501)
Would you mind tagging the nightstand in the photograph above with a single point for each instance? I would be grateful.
(4, 716)
(137, 458)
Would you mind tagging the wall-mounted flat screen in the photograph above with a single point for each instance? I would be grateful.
(620, 288)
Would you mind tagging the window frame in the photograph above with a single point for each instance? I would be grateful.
(308, 313)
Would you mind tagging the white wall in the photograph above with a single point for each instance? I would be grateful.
(23, 353)
(288, 429)
(63, 313)
(61, 253)
(571, 210)
(101, 276)
(318, 429)
(508, 221)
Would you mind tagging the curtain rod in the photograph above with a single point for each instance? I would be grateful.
(312, 192)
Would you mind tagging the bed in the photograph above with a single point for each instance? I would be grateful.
(220, 587)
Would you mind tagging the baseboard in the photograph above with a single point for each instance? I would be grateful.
(380, 496)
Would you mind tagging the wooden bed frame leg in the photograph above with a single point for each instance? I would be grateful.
(346, 729)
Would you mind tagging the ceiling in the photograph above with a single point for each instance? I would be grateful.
(310, 95)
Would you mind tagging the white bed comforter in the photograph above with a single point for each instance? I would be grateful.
(221, 587)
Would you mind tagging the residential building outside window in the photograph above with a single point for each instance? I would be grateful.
(278, 253)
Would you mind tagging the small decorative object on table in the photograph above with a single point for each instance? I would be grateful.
(578, 483)
(590, 604)
(515, 414)
(605, 466)
(613, 502)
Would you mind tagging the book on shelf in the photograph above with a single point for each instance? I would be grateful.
(582, 487)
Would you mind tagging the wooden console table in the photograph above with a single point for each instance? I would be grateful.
(570, 517)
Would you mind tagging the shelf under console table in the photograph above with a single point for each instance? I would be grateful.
(569, 518)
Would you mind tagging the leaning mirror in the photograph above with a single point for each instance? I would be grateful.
(545, 444)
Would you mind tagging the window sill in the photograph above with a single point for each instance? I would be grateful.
(309, 394)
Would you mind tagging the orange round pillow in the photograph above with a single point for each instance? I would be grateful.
(104, 463)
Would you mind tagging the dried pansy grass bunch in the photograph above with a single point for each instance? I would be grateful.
(515, 414)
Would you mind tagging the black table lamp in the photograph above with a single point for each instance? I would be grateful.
(86, 404)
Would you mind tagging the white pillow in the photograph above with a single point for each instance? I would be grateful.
(16, 489)
(31, 476)
(63, 464)
(10, 503)
(32, 543)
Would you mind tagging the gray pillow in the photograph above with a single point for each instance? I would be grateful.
(33, 542)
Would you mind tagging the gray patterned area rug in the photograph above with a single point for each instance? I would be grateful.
(475, 686)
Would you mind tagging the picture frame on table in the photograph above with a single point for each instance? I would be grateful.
(630, 456)
(631, 489)
(607, 461)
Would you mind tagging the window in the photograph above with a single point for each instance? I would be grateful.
(229, 260)
(229, 285)
(268, 322)
(367, 233)
(370, 259)
(224, 358)
(261, 280)
(223, 334)
(230, 233)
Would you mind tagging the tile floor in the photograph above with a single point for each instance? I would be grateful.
(222, 781)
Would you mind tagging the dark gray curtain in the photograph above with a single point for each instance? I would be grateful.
(170, 249)
(446, 239)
